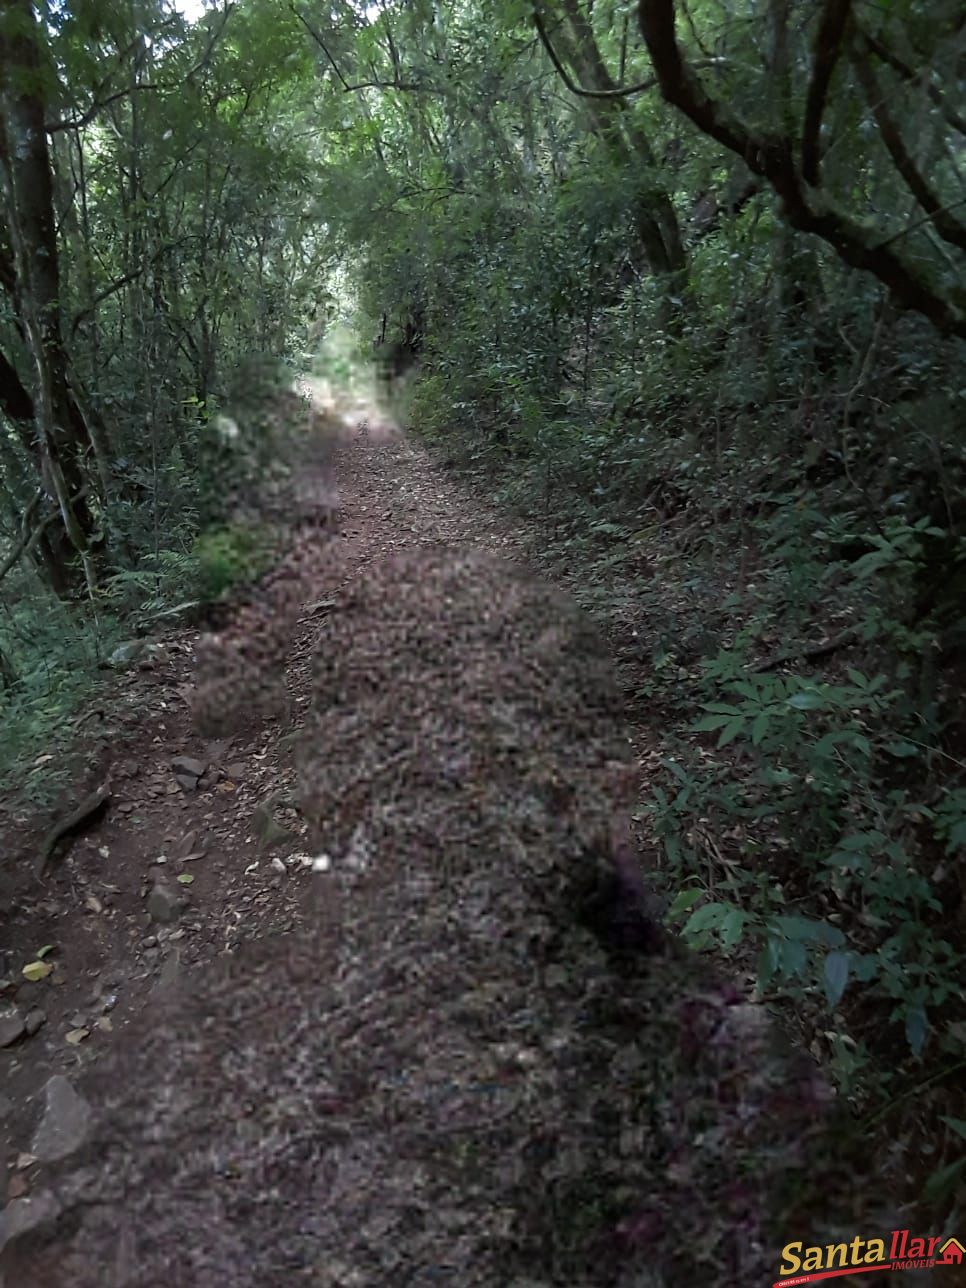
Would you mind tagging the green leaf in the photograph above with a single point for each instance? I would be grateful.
(705, 918)
(759, 727)
(745, 689)
(732, 927)
(676, 769)
(956, 835)
(684, 900)
(800, 929)
(916, 1027)
(808, 700)
(707, 723)
(942, 1184)
(836, 976)
(731, 731)
(957, 1124)
(768, 961)
(792, 957)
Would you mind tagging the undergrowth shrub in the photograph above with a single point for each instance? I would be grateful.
(229, 555)
(813, 837)
(806, 824)
(54, 651)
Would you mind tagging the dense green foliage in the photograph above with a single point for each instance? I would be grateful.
(689, 273)
(681, 353)
(189, 254)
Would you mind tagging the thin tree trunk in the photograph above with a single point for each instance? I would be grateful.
(29, 204)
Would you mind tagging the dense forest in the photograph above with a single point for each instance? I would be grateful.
(681, 279)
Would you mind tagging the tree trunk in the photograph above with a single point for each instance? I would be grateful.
(29, 207)
(655, 220)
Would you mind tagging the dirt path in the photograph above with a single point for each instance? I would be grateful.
(393, 1030)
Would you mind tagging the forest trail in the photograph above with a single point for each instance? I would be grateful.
(369, 1042)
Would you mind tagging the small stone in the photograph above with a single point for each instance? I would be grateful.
(65, 1124)
(188, 766)
(34, 1022)
(235, 770)
(12, 1028)
(186, 782)
(269, 832)
(127, 653)
(165, 904)
(170, 972)
(77, 1021)
(149, 941)
(28, 1213)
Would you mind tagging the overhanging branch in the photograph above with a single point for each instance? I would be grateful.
(772, 157)
(828, 45)
(948, 227)
(409, 86)
(30, 539)
(568, 80)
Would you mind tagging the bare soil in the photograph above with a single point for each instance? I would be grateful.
(402, 1025)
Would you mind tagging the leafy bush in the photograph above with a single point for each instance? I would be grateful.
(159, 584)
(817, 852)
(228, 555)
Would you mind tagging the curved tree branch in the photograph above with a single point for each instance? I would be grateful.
(828, 45)
(948, 228)
(568, 80)
(30, 539)
(119, 283)
(772, 157)
(886, 55)
(409, 86)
